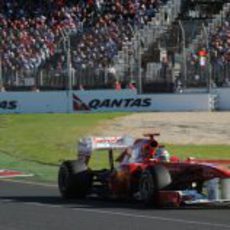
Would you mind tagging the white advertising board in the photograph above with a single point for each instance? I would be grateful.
(223, 99)
(128, 100)
(100, 101)
(32, 102)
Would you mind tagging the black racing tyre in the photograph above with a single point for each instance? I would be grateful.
(151, 181)
(74, 180)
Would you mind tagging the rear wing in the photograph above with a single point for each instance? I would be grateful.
(88, 144)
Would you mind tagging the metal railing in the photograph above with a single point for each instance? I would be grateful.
(128, 62)
(215, 72)
(150, 39)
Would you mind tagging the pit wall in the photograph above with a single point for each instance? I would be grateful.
(109, 101)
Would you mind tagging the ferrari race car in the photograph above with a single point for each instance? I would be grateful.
(143, 174)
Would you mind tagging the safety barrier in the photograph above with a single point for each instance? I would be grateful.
(110, 101)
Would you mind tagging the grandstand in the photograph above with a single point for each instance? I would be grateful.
(160, 45)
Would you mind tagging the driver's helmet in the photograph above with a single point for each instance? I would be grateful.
(162, 154)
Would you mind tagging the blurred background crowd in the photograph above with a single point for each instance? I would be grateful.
(33, 34)
(30, 31)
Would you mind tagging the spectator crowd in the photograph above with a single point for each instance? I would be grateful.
(218, 53)
(32, 31)
(220, 42)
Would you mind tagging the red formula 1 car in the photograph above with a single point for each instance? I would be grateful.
(145, 173)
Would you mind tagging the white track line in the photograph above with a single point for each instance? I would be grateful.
(159, 218)
(129, 215)
(122, 214)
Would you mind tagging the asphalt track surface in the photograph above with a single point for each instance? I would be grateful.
(37, 206)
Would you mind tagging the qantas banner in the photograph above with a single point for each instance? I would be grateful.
(112, 101)
(101, 101)
(128, 100)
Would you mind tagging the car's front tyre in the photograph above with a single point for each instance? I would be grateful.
(151, 181)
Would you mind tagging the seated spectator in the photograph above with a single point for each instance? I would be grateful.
(35, 89)
(2, 88)
(81, 87)
(117, 86)
(226, 82)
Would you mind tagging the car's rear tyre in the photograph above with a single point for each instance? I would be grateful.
(151, 181)
(74, 180)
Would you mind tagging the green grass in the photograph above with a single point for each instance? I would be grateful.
(201, 151)
(46, 138)
(38, 143)
(45, 173)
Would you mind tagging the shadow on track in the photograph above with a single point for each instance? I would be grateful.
(98, 203)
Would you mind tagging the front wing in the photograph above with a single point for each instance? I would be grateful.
(187, 197)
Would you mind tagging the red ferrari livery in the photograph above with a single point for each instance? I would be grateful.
(145, 172)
